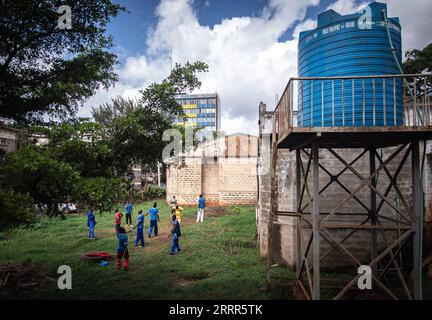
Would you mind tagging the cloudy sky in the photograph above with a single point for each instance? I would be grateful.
(249, 45)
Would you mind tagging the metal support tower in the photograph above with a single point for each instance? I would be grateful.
(389, 230)
(373, 219)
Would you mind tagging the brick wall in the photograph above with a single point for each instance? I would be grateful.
(185, 181)
(210, 182)
(228, 178)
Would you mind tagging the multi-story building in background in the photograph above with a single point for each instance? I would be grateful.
(202, 111)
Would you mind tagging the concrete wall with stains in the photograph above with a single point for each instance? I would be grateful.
(285, 228)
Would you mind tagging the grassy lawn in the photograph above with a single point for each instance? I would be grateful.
(220, 259)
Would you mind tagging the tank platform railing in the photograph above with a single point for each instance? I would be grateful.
(355, 104)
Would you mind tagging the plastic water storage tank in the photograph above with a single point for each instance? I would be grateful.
(350, 46)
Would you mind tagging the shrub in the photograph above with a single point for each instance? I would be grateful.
(101, 193)
(16, 209)
(154, 192)
(34, 172)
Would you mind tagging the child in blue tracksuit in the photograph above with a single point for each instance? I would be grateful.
(91, 222)
(154, 218)
(175, 234)
(201, 207)
(140, 229)
(129, 210)
(122, 249)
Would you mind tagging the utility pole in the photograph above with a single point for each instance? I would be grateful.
(159, 174)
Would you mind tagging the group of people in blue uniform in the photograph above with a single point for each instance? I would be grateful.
(122, 247)
(153, 229)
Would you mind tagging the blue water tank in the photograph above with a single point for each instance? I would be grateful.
(350, 45)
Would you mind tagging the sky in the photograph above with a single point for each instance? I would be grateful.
(249, 45)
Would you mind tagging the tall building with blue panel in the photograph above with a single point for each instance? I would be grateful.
(201, 110)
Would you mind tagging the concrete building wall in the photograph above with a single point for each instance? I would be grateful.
(10, 139)
(284, 229)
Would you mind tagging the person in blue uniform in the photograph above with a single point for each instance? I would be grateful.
(175, 234)
(129, 210)
(154, 218)
(122, 249)
(91, 222)
(201, 207)
(140, 229)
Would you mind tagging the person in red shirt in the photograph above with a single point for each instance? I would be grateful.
(122, 249)
(118, 216)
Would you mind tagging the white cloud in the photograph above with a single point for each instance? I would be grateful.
(135, 73)
(239, 124)
(415, 19)
(308, 24)
(347, 6)
(140, 69)
(247, 62)
(103, 96)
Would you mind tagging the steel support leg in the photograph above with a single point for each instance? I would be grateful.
(316, 223)
(415, 163)
(298, 204)
(373, 207)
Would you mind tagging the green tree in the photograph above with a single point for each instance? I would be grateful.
(417, 62)
(31, 171)
(16, 208)
(83, 145)
(108, 112)
(136, 135)
(44, 69)
(99, 193)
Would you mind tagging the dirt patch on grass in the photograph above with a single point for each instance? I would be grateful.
(231, 247)
(182, 282)
(239, 243)
(105, 231)
(375, 294)
(16, 279)
(282, 290)
(216, 211)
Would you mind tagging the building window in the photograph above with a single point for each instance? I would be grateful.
(3, 142)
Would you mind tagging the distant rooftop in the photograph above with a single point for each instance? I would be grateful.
(197, 96)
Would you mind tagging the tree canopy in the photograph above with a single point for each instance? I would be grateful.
(48, 70)
(418, 61)
(135, 127)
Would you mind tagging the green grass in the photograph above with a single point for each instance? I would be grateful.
(220, 259)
